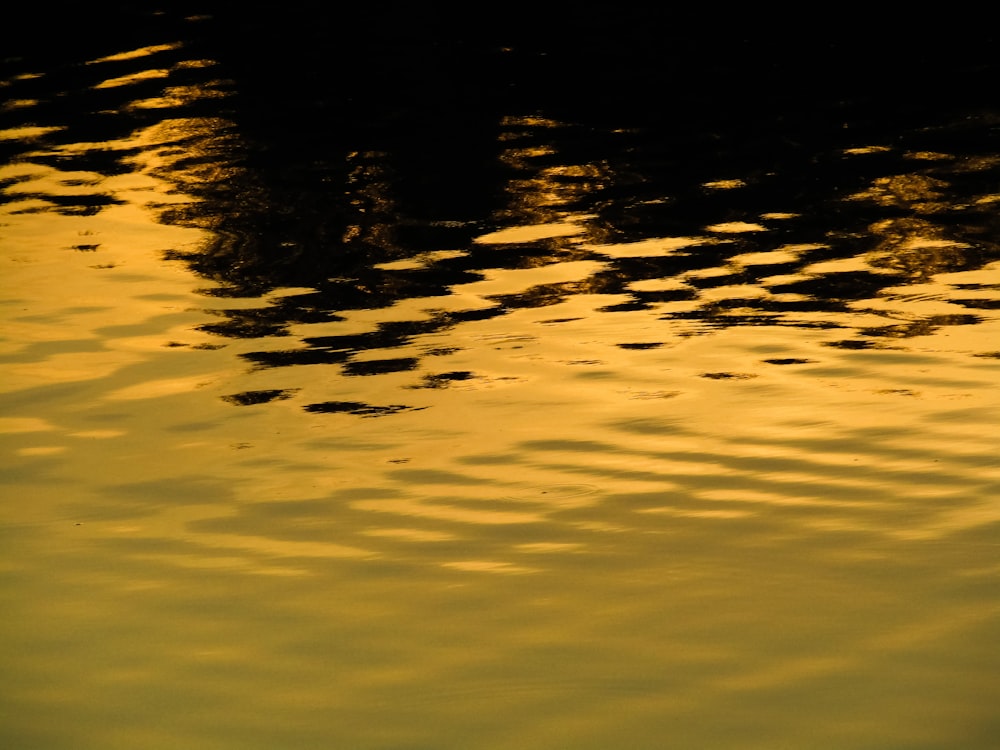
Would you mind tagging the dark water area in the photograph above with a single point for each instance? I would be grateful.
(394, 376)
(358, 136)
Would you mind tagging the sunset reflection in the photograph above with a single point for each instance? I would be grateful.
(372, 380)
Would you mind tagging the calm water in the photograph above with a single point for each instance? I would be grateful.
(387, 389)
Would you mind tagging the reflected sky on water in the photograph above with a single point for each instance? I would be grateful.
(375, 382)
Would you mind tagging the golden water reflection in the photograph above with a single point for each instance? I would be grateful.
(587, 472)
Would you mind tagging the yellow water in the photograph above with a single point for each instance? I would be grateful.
(603, 490)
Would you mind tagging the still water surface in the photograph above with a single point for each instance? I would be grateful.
(508, 426)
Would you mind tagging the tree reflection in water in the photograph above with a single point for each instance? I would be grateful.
(365, 160)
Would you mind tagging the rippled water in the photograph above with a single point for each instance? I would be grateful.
(420, 408)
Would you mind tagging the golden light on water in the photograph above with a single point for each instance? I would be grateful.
(296, 452)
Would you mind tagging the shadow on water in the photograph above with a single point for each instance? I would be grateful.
(361, 157)
(365, 157)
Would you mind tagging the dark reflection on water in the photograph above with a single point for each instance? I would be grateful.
(322, 151)
(772, 184)
(883, 208)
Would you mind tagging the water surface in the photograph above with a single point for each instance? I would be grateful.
(493, 395)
